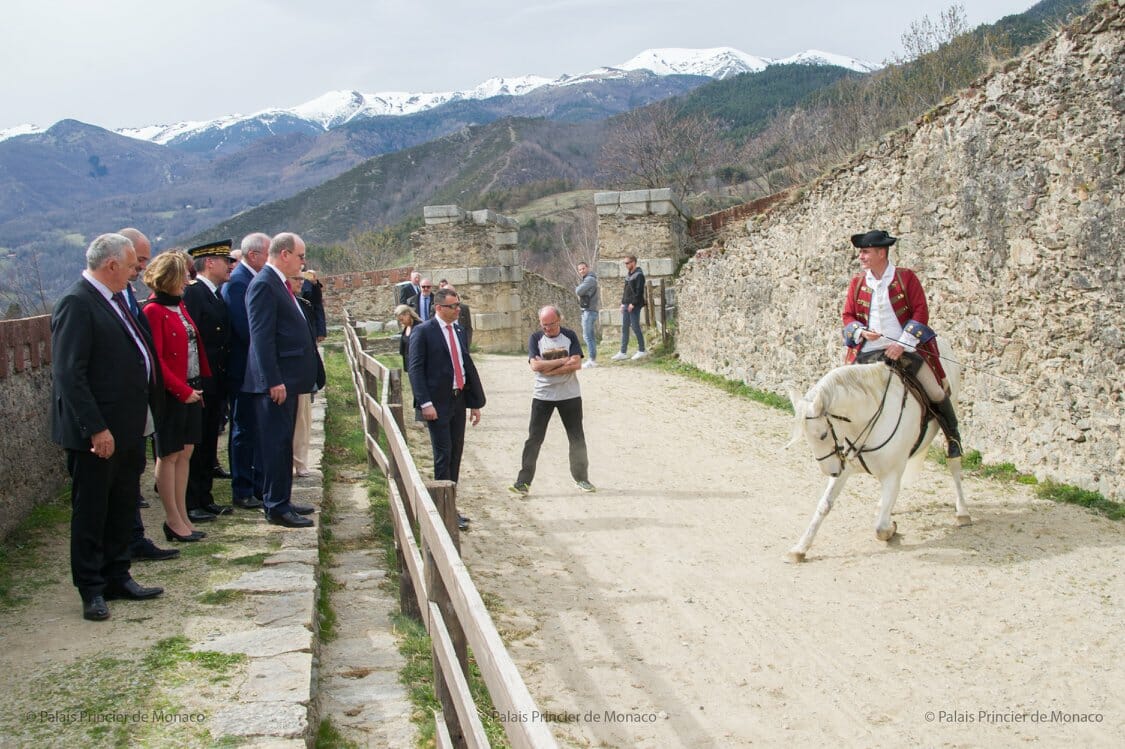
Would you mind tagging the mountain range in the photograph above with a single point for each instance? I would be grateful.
(337, 108)
(61, 186)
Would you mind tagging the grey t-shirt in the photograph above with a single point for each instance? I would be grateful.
(555, 387)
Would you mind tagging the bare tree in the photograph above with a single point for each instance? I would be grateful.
(658, 146)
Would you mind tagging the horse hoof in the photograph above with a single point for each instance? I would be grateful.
(796, 557)
(963, 520)
(887, 533)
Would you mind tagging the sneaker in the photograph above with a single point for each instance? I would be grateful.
(590, 364)
(619, 356)
(585, 486)
(640, 355)
(520, 488)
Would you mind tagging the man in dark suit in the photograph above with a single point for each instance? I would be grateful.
(445, 383)
(106, 387)
(209, 312)
(140, 546)
(283, 363)
(245, 468)
(414, 288)
(423, 301)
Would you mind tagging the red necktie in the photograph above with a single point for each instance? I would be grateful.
(458, 375)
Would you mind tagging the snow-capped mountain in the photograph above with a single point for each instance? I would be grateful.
(336, 108)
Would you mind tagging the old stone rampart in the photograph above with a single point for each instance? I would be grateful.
(32, 467)
(1008, 204)
(370, 295)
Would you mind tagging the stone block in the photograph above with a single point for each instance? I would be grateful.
(609, 269)
(607, 199)
(492, 321)
(283, 678)
(505, 238)
(635, 196)
(660, 194)
(455, 276)
(511, 273)
(441, 214)
(509, 257)
(260, 642)
(607, 210)
(491, 274)
(634, 209)
(658, 266)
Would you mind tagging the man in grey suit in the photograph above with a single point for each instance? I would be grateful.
(106, 384)
(283, 363)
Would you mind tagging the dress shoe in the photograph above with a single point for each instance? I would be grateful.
(132, 591)
(217, 471)
(200, 516)
(217, 509)
(289, 520)
(247, 503)
(462, 522)
(142, 502)
(171, 535)
(302, 509)
(95, 609)
(148, 550)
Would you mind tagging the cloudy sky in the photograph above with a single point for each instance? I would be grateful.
(119, 63)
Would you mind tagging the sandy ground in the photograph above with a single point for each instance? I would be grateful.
(661, 611)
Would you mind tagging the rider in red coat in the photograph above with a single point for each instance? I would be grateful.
(886, 317)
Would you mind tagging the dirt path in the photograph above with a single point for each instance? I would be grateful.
(660, 611)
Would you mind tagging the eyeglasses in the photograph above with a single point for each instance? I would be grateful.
(554, 324)
(455, 305)
(427, 287)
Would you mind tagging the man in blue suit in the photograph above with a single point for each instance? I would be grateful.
(246, 473)
(445, 383)
(283, 363)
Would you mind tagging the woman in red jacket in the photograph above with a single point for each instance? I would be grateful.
(183, 362)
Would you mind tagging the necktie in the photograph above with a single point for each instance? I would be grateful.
(458, 375)
(135, 328)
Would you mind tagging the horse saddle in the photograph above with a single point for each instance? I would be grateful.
(907, 368)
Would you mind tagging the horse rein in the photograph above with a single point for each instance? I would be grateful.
(857, 448)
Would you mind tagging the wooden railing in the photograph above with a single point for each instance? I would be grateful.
(427, 544)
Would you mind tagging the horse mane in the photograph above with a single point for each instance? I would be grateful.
(850, 383)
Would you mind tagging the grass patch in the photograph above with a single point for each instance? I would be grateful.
(329, 737)
(667, 362)
(1073, 495)
(220, 597)
(252, 560)
(20, 566)
(108, 701)
(325, 614)
(973, 463)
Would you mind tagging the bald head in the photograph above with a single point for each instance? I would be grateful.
(142, 246)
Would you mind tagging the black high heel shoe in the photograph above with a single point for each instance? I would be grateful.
(171, 535)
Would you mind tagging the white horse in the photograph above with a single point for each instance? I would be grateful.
(860, 418)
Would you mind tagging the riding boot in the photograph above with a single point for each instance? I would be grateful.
(947, 420)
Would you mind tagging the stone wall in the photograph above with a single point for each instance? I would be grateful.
(1008, 203)
(650, 225)
(536, 293)
(32, 467)
(476, 252)
(370, 295)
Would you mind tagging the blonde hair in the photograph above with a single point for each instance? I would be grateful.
(406, 309)
(167, 271)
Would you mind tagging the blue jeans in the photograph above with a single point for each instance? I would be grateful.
(631, 319)
(589, 332)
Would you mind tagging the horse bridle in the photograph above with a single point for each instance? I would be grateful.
(857, 448)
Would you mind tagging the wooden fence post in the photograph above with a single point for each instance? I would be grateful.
(444, 494)
(664, 336)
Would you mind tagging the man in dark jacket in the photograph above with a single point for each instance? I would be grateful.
(106, 387)
(632, 302)
(209, 312)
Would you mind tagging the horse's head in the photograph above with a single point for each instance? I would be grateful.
(813, 423)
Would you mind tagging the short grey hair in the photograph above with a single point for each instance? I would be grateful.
(256, 242)
(105, 248)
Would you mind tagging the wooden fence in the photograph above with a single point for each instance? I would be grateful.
(435, 586)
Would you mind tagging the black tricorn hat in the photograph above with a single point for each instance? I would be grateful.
(213, 249)
(874, 238)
